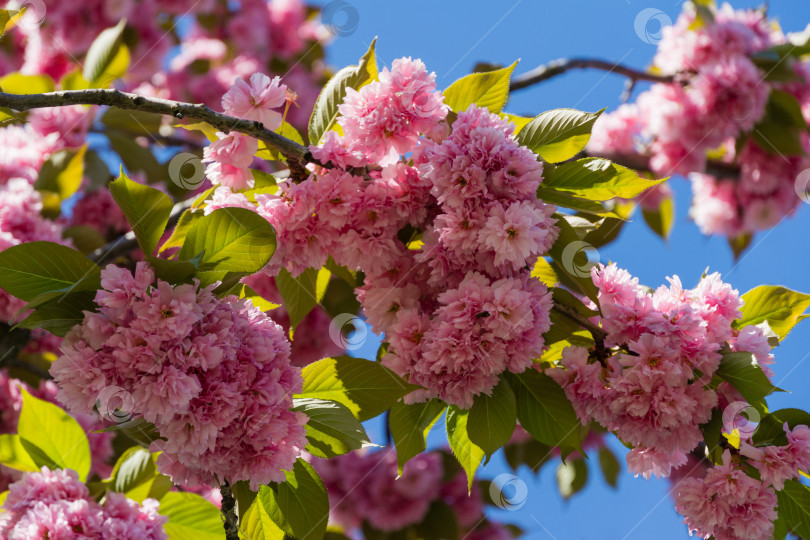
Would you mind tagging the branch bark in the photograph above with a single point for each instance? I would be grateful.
(598, 333)
(230, 521)
(563, 65)
(124, 100)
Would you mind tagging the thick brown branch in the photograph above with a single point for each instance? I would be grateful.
(230, 521)
(123, 100)
(558, 67)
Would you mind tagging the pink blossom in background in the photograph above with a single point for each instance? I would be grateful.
(198, 367)
(256, 100)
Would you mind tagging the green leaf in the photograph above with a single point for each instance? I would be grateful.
(572, 476)
(137, 429)
(567, 200)
(137, 123)
(61, 312)
(410, 425)
(770, 430)
(299, 506)
(794, 507)
(325, 112)
(17, 83)
(597, 179)
(146, 209)
(570, 262)
(778, 139)
(559, 134)
(492, 418)
(742, 372)
(231, 240)
(5, 17)
(662, 218)
(439, 523)
(102, 53)
(781, 307)
(609, 465)
(468, 454)
(713, 431)
(299, 294)
(367, 388)
(34, 268)
(133, 468)
(190, 516)
(178, 236)
(136, 157)
(172, 271)
(62, 173)
(257, 524)
(487, 90)
(784, 108)
(14, 455)
(544, 411)
(269, 153)
(52, 437)
(331, 429)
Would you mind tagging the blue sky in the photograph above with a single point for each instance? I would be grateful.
(450, 37)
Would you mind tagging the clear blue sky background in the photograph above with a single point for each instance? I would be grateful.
(450, 37)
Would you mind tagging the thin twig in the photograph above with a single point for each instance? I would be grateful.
(558, 67)
(599, 335)
(230, 521)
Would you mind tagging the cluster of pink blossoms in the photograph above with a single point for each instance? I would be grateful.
(654, 395)
(212, 375)
(55, 505)
(462, 308)
(365, 487)
(718, 97)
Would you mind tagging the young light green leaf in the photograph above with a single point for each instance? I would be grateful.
(14, 455)
(559, 134)
(597, 179)
(146, 209)
(781, 307)
(102, 52)
(62, 173)
(488, 90)
(794, 507)
(257, 524)
(572, 475)
(17, 83)
(609, 465)
(468, 454)
(299, 294)
(492, 418)
(662, 218)
(331, 428)
(52, 437)
(190, 516)
(367, 388)
(325, 112)
(410, 425)
(742, 372)
(134, 467)
(35, 268)
(299, 506)
(544, 411)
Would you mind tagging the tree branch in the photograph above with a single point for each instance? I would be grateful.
(127, 242)
(558, 67)
(639, 162)
(598, 333)
(124, 100)
(230, 521)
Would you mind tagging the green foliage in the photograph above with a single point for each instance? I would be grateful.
(770, 430)
(468, 454)
(662, 219)
(325, 112)
(572, 475)
(62, 173)
(489, 90)
(610, 466)
(190, 516)
(559, 134)
(102, 64)
(780, 307)
(331, 428)
(794, 507)
(135, 475)
(596, 179)
(17, 83)
(52, 437)
(492, 418)
(544, 411)
(742, 372)
(366, 388)
(14, 455)
(59, 312)
(299, 294)
(146, 209)
(410, 425)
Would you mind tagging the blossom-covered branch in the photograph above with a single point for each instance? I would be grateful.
(125, 100)
(558, 67)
